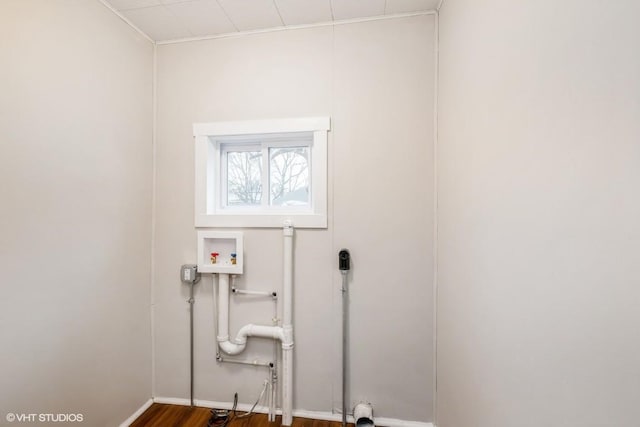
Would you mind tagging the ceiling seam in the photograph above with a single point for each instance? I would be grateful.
(126, 20)
(275, 4)
(227, 15)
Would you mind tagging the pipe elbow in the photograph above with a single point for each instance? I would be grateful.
(243, 333)
(250, 330)
(232, 348)
(238, 345)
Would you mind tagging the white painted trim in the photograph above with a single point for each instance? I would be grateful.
(299, 413)
(207, 158)
(135, 415)
(439, 5)
(154, 198)
(203, 179)
(436, 77)
(319, 174)
(126, 20)
(394, 422)
(298, 27)
(307, 220)
(178, 401)
(252, 127)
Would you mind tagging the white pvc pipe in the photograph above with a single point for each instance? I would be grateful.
(238, 345)
(223, 308)
(363, 415)
(287, 326)
(287, 385)
(274, 370)
(284, 334)
(287, 287)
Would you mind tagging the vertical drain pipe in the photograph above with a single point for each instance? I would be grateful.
(287, 326)
(344, 264)
(284, 334)
(223, 308)
(274, 369)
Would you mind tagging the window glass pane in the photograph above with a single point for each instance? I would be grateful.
(244, 178)
(289, 176)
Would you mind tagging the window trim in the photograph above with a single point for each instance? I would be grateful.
(208, 140)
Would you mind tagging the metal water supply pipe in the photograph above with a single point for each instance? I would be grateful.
(344, 265)
(189, 274)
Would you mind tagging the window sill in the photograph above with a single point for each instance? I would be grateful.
(261, 220)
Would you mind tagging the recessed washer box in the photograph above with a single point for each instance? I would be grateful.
(216, 250)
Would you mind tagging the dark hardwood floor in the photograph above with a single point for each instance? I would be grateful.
(184, 416)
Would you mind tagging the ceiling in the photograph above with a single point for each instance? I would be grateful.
(164, 20)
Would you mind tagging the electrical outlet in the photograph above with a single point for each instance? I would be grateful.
(189, 274)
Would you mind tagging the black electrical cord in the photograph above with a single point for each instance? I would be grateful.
(222, 418)
(218, 418)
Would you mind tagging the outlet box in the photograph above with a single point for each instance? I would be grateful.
(189, 274)
(216, 250)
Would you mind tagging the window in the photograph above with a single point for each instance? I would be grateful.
(268, 173)
(261, 173)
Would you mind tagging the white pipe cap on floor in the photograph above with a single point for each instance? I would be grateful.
(363, 415)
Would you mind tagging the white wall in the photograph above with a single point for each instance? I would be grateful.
(539, 231)
(375, 80)
(75, 208)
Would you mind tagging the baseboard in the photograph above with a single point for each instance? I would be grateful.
(301, 413)
(393, 422)
(379, 421)
(136, 414)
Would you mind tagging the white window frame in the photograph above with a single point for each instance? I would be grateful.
(210, 141)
